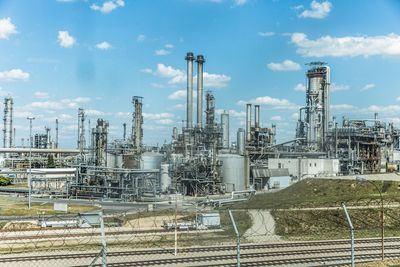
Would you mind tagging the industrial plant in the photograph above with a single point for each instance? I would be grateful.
(202, 158)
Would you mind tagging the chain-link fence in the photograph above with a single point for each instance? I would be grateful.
(187, 233)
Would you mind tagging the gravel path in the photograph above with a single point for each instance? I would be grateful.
(263, 228)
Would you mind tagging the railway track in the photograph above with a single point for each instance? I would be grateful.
(288, 248)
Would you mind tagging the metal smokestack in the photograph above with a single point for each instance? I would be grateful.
(200, 60)
(189, 103)
(124, 136)
(248, 122)
(257, 116)
(56, 133)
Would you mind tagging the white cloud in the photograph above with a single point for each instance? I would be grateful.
(266, 34)
(286, 65)
(179, 107)
(52, 105)
(41, 95)
(65, 39)
(340, 107)
(180, 94)
(385, 110)
(162, 52)
(276, 118)
(317, 11)
(141, 38)
(270, 101)
(157, 116)
(7, 28)
(300, 87)
(103, 45)
(65, 103)
(81, 99)
(17, 113)
(147, 70)
(239, 2)
(14, 75)
(295, 116)
(348, 46)
(94, 112)
(177, 76)
(368, 86)
(339, 87)
(108, 6)
(123, 114)
(215, 80)
(398, 98)
(169, 46)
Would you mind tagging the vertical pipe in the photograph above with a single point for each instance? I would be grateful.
(56, 133)
(326, 104)
(257, 116)
(189, 102)
(124, 136)
(248, 122)
(200, 60)
(14, 136)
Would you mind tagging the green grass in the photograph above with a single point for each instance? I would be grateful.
(322, 193)
(21, 209)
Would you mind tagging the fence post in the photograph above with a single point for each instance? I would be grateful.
(103, 241)
(351, 234)
(237, 236)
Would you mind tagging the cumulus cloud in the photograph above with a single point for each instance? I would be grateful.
(300, 87)
(180, 94)
(42, 95)
(65, 103)
(348, 46)
(162, 52)
(169, 46)
(108, 6)
(368, 86)
(178, 76)
(94, 112)
(295, 116)
(342, 107)
(339, 87)
(266, 34)
(286, 65)
(275, 103)
(14, 75)
(141, 38)
(103, 45)
(317, 10)
(65, 39)
(163, 118)
(7, 28)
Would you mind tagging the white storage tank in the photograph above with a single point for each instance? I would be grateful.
(165, 178)
(151, 161)
(233, 171)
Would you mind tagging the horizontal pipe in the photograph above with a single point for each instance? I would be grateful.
(38, 150)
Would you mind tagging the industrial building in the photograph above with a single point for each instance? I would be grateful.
(201, 158)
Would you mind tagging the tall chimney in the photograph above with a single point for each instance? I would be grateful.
(257, 116)
(189, 103)
(200, 60)
(248, 122)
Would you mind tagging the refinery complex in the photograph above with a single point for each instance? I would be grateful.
(202, 158)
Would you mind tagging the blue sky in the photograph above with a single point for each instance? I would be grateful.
(57, 56)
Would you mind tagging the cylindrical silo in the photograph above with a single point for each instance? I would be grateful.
(233, 171)
(165, 178)
(241, 135)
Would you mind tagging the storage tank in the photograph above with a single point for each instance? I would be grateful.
(233, 171)
(165, 178)
(151, 161)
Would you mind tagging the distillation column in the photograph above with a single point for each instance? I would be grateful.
(225, 129)
(200, 61)
(189, 102)
(8, 122)
(137, 123)
(81, 129)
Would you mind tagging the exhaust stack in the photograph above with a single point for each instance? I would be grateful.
(200, 60)
(189, 103)
(248, 122)
(257, 116)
